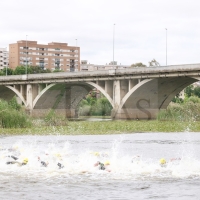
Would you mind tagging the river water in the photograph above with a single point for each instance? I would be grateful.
(134, 171)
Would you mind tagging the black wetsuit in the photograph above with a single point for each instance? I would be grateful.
(12, 162)
(60, 165)
(101, 166)
(44, 164)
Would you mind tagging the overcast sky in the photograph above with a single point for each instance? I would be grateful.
(140, 30)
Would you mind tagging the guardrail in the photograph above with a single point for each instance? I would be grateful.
(117, 74)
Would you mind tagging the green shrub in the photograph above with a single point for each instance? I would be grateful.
(193, 99)
(11, 115)
(189, 111)
(54, 119)
(95, 107)
(13, 103)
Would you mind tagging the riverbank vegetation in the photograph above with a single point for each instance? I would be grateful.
(12, 115)
(182, 115)
(93, 106)
(187, 109)
(105, 127)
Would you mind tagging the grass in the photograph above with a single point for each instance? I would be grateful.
(106, 127)
(176, 118)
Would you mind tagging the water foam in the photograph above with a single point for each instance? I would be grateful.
(123, 164)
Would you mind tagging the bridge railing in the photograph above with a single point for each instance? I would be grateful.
(140, 71)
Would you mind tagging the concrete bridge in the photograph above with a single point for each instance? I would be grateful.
(134, 93)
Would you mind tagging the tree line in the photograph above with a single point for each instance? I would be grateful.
(23, 70)
(191, 92)
(152, 63)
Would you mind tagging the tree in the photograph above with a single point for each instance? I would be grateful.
(138, 65)
(22, 70)
(9, 71)
(3, 71)
(58, 70)
(197, 91)
(38, 70)
(154, 63)
(189, 90)
(30, 70)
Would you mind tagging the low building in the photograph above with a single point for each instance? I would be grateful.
(4, 58)
(85, 66)
(54, 55)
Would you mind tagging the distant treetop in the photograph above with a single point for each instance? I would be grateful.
(138, 65)
(154, 63)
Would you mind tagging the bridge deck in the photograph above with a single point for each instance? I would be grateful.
(191, 70)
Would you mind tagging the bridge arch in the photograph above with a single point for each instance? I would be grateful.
(155, 93)
(102, 91)
(41, 93)
(177, 86)
(18, 94)
(90, 84)
(123, 101)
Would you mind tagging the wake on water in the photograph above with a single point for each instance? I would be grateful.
(119, 164)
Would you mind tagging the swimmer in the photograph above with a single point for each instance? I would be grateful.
(102, 166)
(44, 164)
(15, 161)
(14, 157)
(163, 162)
(60, 165)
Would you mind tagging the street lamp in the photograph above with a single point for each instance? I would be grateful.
(6, 65)
(26, 54)
(113, 43)
(75, 54)
(166, 46)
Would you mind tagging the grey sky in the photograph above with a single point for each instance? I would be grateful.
(140, 33)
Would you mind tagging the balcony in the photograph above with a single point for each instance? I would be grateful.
(41, 65)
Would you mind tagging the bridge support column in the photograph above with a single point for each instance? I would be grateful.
(29, 98)
(70, 113)
(116, 97)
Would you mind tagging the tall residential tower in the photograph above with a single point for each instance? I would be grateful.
(54, 55)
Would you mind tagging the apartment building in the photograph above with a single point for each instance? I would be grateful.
(85, 66)
(4, 58)
(54, 55)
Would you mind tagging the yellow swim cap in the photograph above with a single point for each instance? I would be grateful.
(25, 160)
(162, 161)
(107, 163)
(96, 153)
(58, 155)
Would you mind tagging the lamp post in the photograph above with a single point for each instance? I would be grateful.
(166, 46)
(6, 66)
(113, 43)
(26, 54)
(75, 54)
